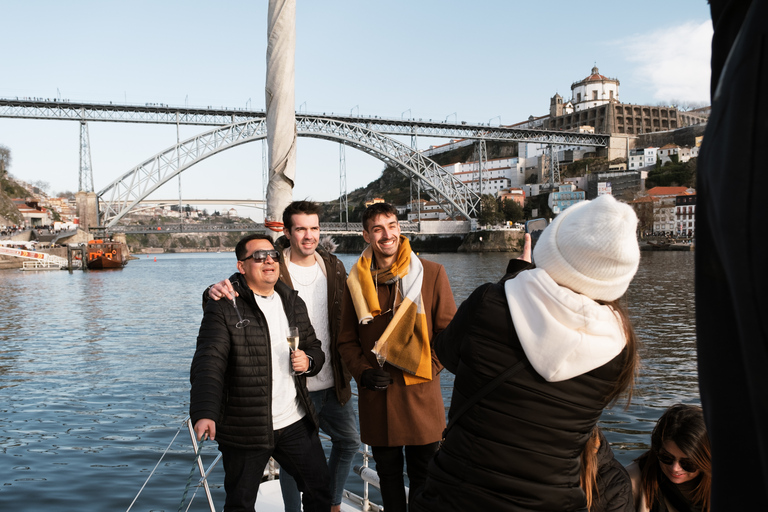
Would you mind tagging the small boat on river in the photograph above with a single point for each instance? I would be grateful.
(104, 254)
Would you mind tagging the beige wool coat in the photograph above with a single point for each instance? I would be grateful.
(402, 415)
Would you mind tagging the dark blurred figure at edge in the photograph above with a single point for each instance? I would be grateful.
(731, 271)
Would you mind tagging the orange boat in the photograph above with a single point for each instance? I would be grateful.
(106, 254)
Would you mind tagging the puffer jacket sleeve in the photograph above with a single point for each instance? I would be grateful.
(209, 365)
(448, 342)
(613, 482)
(234, 278)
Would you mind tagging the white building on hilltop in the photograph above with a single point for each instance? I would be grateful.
(594, 90)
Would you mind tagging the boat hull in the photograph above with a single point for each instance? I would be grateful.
(103, 255)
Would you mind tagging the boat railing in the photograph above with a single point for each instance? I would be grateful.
(272, 472)
(41, 265)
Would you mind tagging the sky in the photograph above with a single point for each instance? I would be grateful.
(496, 61)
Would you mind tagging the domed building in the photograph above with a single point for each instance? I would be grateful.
(594, 90)
(595, 103)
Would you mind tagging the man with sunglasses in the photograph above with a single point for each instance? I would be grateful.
(320, 279)
(243, 393)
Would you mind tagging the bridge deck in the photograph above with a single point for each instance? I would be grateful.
(158, 113)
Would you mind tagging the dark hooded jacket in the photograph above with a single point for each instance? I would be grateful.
(613, 483)
(517, 449)
(231, 372)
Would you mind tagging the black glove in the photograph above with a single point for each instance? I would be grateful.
(375, 379)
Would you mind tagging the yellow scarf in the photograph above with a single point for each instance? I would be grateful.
(405, 341)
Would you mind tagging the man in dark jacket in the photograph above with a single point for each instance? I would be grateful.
(243, 392)
(320, 279)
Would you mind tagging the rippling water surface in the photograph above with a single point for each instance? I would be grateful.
(94, 370)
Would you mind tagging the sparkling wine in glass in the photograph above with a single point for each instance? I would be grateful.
(293, 338)
(293, 343)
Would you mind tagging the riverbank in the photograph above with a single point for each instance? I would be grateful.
(479, 241)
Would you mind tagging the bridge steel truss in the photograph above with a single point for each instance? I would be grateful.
(123, 194)
(238, 126)
(210, 116)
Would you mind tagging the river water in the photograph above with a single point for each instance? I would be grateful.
(94, 374)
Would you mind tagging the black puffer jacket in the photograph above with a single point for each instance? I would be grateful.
(518, 448)
(231, 372)
(613, 483)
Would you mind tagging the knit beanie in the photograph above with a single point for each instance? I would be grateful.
(591, 248)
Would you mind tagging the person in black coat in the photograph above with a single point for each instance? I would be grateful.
(731, 275)
(605, 481)
(518, 447)
(243, 392)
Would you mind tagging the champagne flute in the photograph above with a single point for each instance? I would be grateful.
(293, 343)
(381, 357)
(241, 323)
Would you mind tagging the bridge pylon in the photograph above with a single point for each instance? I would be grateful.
(86, 174)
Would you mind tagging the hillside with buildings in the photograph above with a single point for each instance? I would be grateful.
(649, 146)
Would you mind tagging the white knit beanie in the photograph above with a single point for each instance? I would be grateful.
(591, 248)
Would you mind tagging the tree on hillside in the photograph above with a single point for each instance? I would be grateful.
(5, 160)
(490, 213)
(685, 105)
(513, 212)
(41, 187)
(673, 174)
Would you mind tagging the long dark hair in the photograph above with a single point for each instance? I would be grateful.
(589, 468)
(684, 425)
(625, 384)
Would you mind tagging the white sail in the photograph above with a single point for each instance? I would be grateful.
(280, 103)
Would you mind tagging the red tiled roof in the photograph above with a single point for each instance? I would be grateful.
(597, 77)
(668, 191)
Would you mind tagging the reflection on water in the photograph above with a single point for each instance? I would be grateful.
(94, 373)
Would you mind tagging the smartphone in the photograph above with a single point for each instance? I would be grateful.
(535, 228)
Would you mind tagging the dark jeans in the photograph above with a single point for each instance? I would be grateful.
(297, 450)
(338, 421)
(389, 466)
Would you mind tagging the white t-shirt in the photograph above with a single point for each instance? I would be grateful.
(286, 407)
(312, 285)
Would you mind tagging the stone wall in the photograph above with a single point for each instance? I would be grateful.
(493, 241)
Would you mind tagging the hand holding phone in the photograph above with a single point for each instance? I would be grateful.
(535, 227)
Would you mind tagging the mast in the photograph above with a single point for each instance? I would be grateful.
(280, 105)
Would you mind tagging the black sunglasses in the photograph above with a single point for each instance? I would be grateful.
(261, 256)
(686, 465)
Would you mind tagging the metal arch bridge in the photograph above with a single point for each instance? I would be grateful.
(156, 113)
(360, 132)
(123, 194)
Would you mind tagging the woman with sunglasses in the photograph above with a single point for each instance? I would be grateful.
(675, 475)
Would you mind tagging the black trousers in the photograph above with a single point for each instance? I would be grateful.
(732, 257)
(297, 450)
(389, 466)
